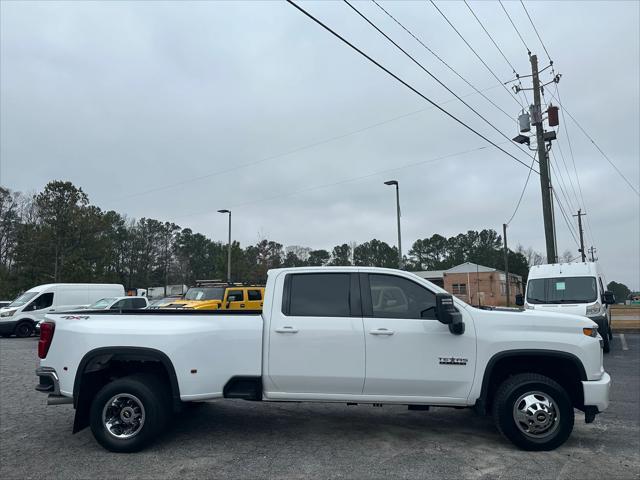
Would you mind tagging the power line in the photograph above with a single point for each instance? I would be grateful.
(515, 28)
(431, 75)
(397, 78)
(476, 54)
(292, 151)
(559, 171)
(564, 215)
(635, 189)
(523, 190)
(561, 184)
(536, 30)
(343, 181)
(490, 37)
(441, 60)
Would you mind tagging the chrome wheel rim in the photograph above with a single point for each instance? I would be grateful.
(536, 414)
(123, 415)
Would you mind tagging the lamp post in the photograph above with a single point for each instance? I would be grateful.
(395, 182)
(229, 249)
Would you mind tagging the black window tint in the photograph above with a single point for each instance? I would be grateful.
(43, 301)
(139, 303)
(320, 295)
(255, 294)
(119, 305)
(235, 296)
(397, 297)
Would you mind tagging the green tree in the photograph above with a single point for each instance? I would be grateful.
(376, 253)
(341, 255)
(318, 258)
(620, 290)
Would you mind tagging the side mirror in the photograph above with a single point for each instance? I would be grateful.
(446, 313)
(520, 300)
(608, 298)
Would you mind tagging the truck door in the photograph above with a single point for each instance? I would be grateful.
(254, 299)
(408, 351)
(316, 343)
(235, 300)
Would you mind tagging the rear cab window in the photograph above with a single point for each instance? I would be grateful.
(321, 295)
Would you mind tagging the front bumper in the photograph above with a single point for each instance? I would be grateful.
(596, 392)
(7, 327)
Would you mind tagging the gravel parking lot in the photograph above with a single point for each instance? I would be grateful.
(238, 439)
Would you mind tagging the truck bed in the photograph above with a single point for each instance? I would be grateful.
(207, 348)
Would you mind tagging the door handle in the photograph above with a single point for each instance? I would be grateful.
(286, 329)
(381, 331)
(242, 305)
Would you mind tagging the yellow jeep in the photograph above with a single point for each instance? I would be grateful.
(220, 296)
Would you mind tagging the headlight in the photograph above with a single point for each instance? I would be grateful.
(593, 310)
(7, 313)
(590, 332)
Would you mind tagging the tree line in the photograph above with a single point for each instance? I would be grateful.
(57, 235)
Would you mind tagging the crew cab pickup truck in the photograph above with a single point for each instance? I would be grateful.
(327, 334)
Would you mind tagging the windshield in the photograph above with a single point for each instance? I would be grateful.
(205, 293)
(102, 303)
(562, 290)
(22, 299)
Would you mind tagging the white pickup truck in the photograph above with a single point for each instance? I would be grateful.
(328, 334)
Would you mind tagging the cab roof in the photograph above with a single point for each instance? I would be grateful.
(576, 269)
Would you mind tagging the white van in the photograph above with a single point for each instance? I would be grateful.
(575, 288)
(22, 315)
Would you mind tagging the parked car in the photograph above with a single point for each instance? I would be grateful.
(220, 296)
(119, 303)
(329, 334)
(160, 302)
(21, 317)
(575, 288)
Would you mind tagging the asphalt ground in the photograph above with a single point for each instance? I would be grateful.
(239, 439)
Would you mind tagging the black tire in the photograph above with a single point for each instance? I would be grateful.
(606, 339)
(147, 391)
(513, 390)
(24, 329)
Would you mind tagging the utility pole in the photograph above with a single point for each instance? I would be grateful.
(395, 182)
(506, 263)
(545, 181)
(592, 250)
(581, 249)
(229, 246)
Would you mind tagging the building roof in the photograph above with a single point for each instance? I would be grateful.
(468, 267)
(427, 274)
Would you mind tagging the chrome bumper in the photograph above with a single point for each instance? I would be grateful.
(49, 383)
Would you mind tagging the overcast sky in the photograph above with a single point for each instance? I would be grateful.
(175, 110)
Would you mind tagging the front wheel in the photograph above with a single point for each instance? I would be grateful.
(606, 339)
(128, 413)
(24, 329)
(533, 411)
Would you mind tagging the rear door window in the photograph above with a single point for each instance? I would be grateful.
(254, 295)
(138, 303)
(319, 295)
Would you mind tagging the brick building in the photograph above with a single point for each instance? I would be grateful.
(476, 284)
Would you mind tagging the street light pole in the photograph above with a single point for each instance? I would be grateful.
(229, 248)
(395, 182)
